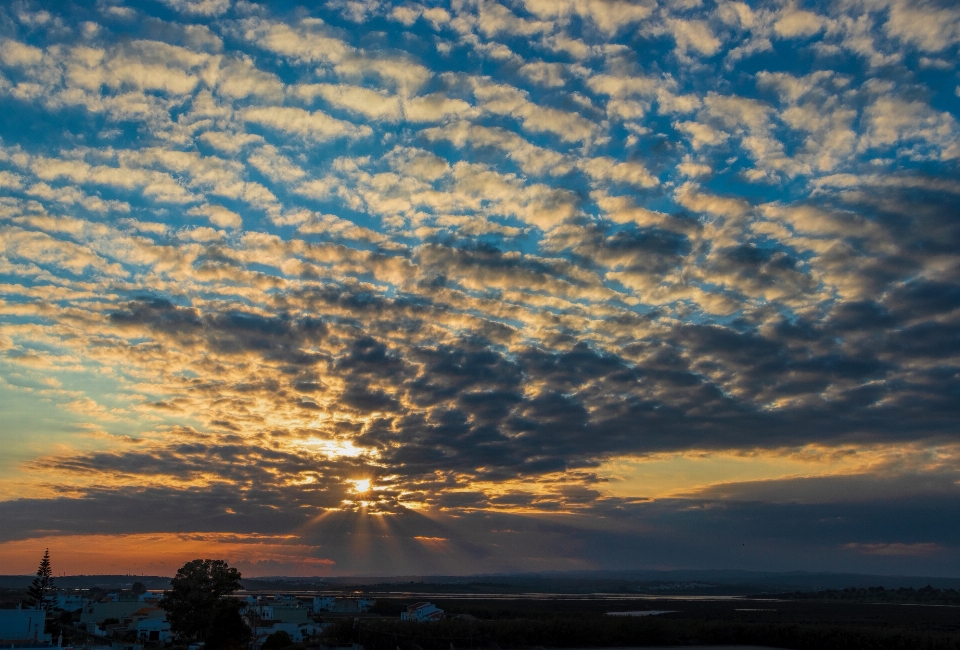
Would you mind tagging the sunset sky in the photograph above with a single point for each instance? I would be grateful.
(362, 287)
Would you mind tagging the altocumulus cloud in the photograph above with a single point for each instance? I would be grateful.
(508, 262)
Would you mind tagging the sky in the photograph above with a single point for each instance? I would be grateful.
(362, 287)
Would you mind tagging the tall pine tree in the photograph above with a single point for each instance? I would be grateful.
(43, 584)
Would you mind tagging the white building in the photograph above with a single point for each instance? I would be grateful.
(323, 603)
(422, 612)
(256, 609)
(23, 626)
(119, 645)
(342, 605)
(93, 615)
(70, 602)
(153, 629)
(297, 631)
(291, 614)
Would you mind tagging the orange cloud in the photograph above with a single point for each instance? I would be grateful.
(162, 554)
(918, 549)
(436, 544)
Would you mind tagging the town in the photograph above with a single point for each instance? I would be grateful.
(132, 619)
(206, 606)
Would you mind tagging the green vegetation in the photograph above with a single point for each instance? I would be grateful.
(10, 598)
(200, 607)
(42, 585)
(584, 624)
(278, 641)
(645, 631)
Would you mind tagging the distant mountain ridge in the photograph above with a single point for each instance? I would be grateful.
(559, 582)
(88, 581)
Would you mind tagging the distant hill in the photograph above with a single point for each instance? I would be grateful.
(87, 582)
(584, 582)
(684, 581)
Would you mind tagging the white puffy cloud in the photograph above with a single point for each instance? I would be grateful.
(307, 42)
(373, 104)
(701, 135)
(609, 16)
(693, 35)
(199, 7)
(894, 121)
(503, 99)
(796, 23)
(550, 75)
(15, 53)
(928, 27)
(315, 125)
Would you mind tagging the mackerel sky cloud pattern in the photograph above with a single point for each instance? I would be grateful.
(572, 283)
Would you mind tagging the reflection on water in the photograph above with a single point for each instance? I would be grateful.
(427, 595)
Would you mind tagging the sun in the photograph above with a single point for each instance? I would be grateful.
(361, 485)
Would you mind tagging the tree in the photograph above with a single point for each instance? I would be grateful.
(279, 640)
(42, 585)
(198, 603)
(228, 631)
(138, 588)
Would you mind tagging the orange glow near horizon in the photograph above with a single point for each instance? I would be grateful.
(161, 554)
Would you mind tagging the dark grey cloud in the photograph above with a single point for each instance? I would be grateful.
(906, 534)
(279, 338)
(628, 255)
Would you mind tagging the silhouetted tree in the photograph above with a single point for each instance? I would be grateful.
(138, 588)
(199, 606)
(279, 640)
(42, 585)
(227, 630)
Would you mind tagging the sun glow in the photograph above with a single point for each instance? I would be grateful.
(361, 485)
(336, 448)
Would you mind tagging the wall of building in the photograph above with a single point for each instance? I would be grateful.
(22, 625)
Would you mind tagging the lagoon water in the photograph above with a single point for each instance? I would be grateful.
(693, 647)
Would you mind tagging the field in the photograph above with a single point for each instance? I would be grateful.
(570, 623)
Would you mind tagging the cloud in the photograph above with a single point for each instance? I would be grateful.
(316, 125)
(896, 549)
(545, 74)
(363, 101)
(796, 23)
(277, 167)
(693, 35)
(929, 27)
(532, 159)
(494, 18)
(701, 135)
(630, 173)
(608, 17)
(218, 215)
(199, 7)
(15, 53)
(436, 107)
(892, 121)
(689, 196)
(239, 79)
(507, 100)
(252, 257)
(307, 42)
